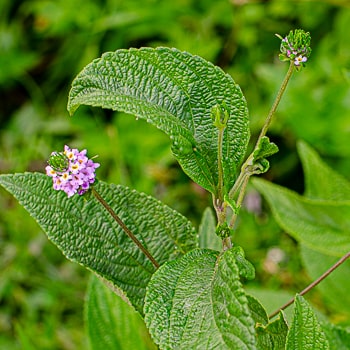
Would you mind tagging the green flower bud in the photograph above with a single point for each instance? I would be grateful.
(295, 47)
(220, 115)
(223, 231)
(59, 162)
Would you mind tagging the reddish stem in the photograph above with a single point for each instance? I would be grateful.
(313, 284)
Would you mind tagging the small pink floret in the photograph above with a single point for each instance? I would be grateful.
(300, 59)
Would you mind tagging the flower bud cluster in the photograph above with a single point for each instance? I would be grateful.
(71, 171)
(295, 47)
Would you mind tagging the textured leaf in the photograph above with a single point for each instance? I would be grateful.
(305, 332)
(264, 150)
(87, 234)
(273, 335)
(270, 336)
(176, 92)
(197, 302)
(272, 300)
(321, 225)
(257, 311)
(245, 267)
(111, 323)
(207, 235)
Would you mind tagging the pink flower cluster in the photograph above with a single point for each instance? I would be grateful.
(71, 171)
(298, 55)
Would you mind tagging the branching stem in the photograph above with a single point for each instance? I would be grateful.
(313, 284)
(124, 227)
(242, 180)
(239, 201)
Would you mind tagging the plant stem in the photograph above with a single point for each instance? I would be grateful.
(218, 199)
(275, 104)
(226, 243)
(220, 169)
(239, 201)
(313, 284)
(220, 209)
(124, 227)
(246, 172)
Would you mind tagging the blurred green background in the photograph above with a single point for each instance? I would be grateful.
(45, 43)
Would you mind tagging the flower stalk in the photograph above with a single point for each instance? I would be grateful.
(313, 284)
(74, 173)
(124, 227)
(295, 48)
(273, 109)
(248, 169)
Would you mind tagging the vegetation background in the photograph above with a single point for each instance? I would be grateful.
(45, 43)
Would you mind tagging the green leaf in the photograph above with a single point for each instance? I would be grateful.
(257, 311)
(272, 300)
(111, 323)
(87, 234)
(265, 149)
(176, 92)
(270, 336)
(321, 181)
(273, 335)
(207, 236)
(338, 337)
(245, 267)
(305, 332)
(197, 302)
(321, 225)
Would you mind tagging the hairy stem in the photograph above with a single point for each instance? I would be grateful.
(275, 104)
(220, 169)
(239, 201)
(124, 227)
(242, 180)
(220, 209)
(313, 284)
(218, 199)
(226, 243)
